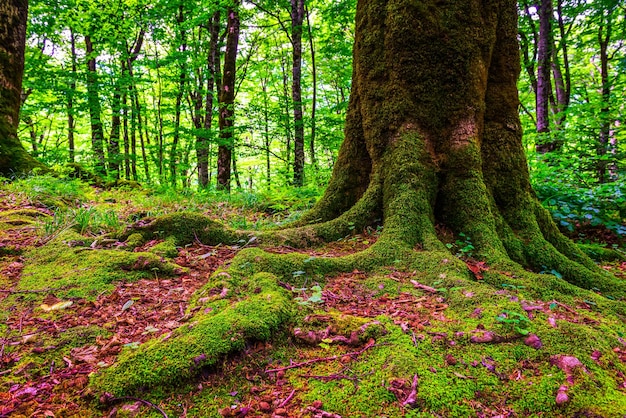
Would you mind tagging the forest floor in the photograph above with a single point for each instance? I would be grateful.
(426, 362)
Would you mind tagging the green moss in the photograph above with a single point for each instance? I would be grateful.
(78, 272)
(134, 240)
(186, 228)
(167, 248)
(202, 343)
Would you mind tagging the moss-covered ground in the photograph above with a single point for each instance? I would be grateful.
(165, 318)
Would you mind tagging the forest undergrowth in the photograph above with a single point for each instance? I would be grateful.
(84, 290)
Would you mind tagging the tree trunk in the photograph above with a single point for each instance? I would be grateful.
(115, 157)
(314, 98)
(226, 102)
(544, 85)
(13, 157)
(182, 79)
(604, 37)
(93, 102)
(71, 124)
(203, 121)
(297, 18)
(433, 137)
(562, 74)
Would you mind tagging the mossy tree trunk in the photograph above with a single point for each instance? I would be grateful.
(433, 136)
(13, 157)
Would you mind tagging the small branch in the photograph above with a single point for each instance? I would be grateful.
(319, 360)
(423, 287)
(286, 401)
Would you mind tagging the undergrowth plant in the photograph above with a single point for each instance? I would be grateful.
(83, 220)
(575, 199)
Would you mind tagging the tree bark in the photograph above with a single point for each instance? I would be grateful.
(203, 113)
(297, 18)
(13, 157)
(604, 38)
(314, 98)
(433, 137)
(71, 124)
(115, 158)
(226, 102)
(544, 85)
(93, 103)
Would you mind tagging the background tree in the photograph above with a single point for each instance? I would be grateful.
(13, 157)
(227, 100)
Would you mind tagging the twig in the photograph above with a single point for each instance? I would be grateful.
(318, 360)
(132, 398)
(286, 401)
(423, 287)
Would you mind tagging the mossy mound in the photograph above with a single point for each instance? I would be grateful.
(183, 228)
(74, 270)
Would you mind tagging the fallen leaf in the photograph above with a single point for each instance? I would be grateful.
(57, 306)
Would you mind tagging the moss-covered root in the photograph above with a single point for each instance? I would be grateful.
(185, 228)
(202, 343)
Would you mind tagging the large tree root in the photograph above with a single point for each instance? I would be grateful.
(203, 342)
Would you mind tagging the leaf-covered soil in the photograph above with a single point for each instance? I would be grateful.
(365, 345)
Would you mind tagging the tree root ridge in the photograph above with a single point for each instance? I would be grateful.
(202, 343)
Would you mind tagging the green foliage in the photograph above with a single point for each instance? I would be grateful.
(574, 204)
(94, 220)
(53, 192)
(463, 246)
(515, 320)
(314, 297)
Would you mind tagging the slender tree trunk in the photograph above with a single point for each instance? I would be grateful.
(114, 138)
(562, 74)
(141, 126)
(127, 155)
(226, 102)
(286, 117)
(174, 154)
(131, 56)
(297, 19)
(93, 103)
(544, 85)
(71, 124)
(604, 39)
(266, 132)
(182, 79)
(204, 121)
(314, 99)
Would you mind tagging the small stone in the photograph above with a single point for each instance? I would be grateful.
(280, 411)
(345, 359)
(562, 398)
(264, 406)
(317, 404)
(533, 341)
